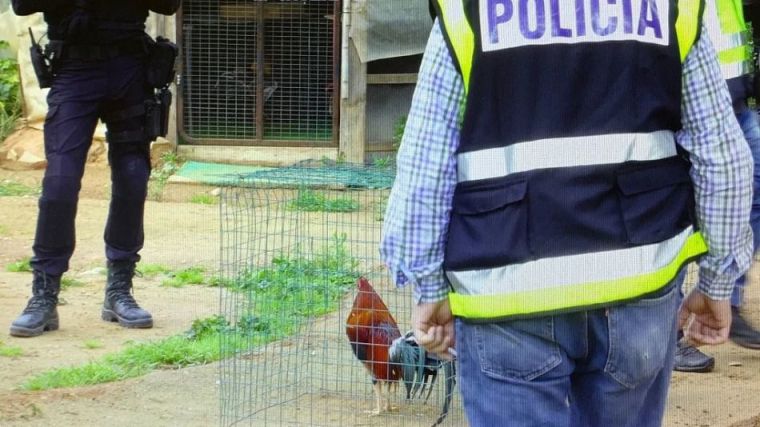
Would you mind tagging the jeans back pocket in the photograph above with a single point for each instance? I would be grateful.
(519, 349)
(640, 335)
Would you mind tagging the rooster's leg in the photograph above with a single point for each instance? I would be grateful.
(378, 387)
(386, 399)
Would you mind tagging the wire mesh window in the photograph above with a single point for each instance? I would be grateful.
(257, 71)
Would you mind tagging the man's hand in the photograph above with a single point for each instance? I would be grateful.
(433, 327)
(704, 320)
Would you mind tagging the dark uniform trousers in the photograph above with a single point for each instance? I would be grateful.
(82, 92)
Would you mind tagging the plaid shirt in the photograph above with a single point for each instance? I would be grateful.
(417, 216)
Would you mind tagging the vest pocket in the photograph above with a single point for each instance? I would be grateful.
(488, 227)
(656, 201)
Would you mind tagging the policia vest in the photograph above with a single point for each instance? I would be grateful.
(727, 29)
(724, 21)
(571, 191)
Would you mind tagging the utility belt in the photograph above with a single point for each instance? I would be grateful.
(59, 50)
(160, 68)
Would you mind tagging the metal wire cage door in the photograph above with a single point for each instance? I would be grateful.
(293, 244)
(259, 72)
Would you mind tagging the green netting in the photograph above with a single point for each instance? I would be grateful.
(333, 176)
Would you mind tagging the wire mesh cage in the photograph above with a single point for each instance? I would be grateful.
(294, 242)
(256, 71)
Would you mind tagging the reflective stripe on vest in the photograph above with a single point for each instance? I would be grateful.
(729, 34)
(564, 152)
(560, 284)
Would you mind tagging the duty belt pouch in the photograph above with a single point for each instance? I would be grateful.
(157, 114)
(161, 57)
(42, 68)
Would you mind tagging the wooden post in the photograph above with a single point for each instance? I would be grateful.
(353, 108)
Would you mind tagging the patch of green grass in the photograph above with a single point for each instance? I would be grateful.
(281, 298)
(68, 282)
(10, 351)
(153, 270)
(199, 345)
(204, 199)
(312, 201)
(92, 344)
(3, 230)
(382, 162)
(187, 276)
(293, 289)
(20, 266)
(13, 188)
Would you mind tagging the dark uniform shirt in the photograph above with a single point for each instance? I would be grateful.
(129, 16)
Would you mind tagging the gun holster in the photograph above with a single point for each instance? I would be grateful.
(157, 114)
(162, 55)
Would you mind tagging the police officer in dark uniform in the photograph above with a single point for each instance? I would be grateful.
(99, 56)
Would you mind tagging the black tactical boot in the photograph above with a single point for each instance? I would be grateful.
(40, 314)
(119, 306)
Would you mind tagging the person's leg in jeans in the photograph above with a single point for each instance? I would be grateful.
(689, 358)
(601, 367)
(742, 332)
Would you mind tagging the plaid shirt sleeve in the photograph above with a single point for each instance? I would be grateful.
(417, 216)
(721, 171)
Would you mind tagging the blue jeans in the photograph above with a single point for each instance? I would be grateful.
(605, 367)
(750, 124)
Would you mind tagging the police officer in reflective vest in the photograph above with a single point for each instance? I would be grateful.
(561, 163)
(724, 21)
(95, 63)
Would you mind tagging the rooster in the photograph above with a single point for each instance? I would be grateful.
(388, 356)
(407, 351)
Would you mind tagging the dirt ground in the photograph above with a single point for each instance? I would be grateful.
(181, 234)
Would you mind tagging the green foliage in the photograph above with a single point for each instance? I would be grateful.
(197, 346)
(12, 188)
(398, 132)
(3, 230)
(10, 351)
(208, 326)
(187, 276)
(382, 162)
(20, 266)
(92, 344)
(293, 289)
(204, 199)
(92, 373)
(68, 282)
(311, 201)
(159, 176)
(152, 270)
(10, 94)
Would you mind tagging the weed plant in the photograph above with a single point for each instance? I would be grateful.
(309, 200)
